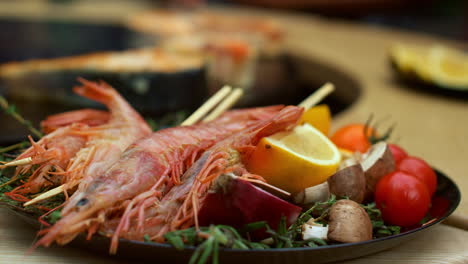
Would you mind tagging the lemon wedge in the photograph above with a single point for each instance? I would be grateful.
(319, 117)
(295, 160)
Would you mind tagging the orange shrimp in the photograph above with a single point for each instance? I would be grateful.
(53, 152)
(90, 117)
(105, 142)
(178, 209)
(85, 152)
(147, 169)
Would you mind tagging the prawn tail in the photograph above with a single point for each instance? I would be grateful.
(88, 117)
(99, 92)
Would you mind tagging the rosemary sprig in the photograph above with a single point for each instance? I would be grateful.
(16, 146)
(319, 210)
(54, 216)
(11, 110)
(209, 240)
(378, 225)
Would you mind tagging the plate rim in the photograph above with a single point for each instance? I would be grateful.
(158, 245)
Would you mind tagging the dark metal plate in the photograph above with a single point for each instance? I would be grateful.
(445, 201)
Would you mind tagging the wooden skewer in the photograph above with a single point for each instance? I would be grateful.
(43, 196)
(271, 189)
(207, 106)
(317, 96)
(230, 98)
(20, 162)
(225, 105)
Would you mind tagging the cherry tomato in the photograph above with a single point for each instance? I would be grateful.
(421, 170)
(403, 199)
(352, 137)
(398, 153)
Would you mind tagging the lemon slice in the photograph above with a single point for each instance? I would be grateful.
(295, 160)
(318, 116)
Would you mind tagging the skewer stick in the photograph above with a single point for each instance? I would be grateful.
(207, 106)
(43, 196)
(317, 96)
(271, 189)
(225, 105)
(20, 162)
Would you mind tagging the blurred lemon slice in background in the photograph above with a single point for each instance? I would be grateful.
(296, 159)
(449, 67)
(437, 65)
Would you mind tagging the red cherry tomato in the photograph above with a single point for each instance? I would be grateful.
(398, 153)
(421, 170)
(403, 199)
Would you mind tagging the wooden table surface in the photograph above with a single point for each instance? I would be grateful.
(430, 126)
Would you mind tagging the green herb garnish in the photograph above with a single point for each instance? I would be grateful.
(379, 229)
(11, 110)
(209, 240)
(54, 216)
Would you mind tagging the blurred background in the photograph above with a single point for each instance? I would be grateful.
(448, 18)
(160, 48)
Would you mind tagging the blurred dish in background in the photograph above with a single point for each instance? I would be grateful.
(232, 60)
(438, 66)
(167, 23)
(151, 78)
(231, 43)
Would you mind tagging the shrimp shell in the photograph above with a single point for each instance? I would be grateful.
(105, 142)
(147, 169)
(178, 209)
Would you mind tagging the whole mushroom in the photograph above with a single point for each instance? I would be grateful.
(349, 222)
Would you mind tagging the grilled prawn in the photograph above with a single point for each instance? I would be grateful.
(75, 151)
(105, 142)
(145, 171)
(178, 209)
